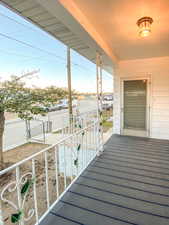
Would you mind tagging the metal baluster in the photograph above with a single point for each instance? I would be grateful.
(34, 190)
(56, 169)
(87, 150)
(95, 139)
(76, 153)
(76, 141)
(98, 139)
(79, 164)
(1, 214)
(72, 123)
(92, 144)
(1, 217)
(62, 129)
(80, 152)
(88, 145)
(65, 181)
(90, 140)
(82, 148)
(47, 183)
(21, 222)
(69, 125)
(95, 144)
(71, 159)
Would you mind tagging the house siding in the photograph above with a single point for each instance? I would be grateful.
(157, 70)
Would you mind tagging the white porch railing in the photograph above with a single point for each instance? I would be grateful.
(29, 188)
(37, 130)
(77, 122)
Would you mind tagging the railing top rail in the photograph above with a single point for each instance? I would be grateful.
(46, 149)
(89, 111)
(81, 113)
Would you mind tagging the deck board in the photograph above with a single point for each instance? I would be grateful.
(127, 184)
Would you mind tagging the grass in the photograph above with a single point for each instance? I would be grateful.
(107, 125)
(107, 114)
(56, 132)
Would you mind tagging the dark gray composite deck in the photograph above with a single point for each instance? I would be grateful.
(127, 184)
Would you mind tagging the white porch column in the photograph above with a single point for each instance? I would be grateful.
(99, 97)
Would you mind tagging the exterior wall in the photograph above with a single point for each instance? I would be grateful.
(157, 70)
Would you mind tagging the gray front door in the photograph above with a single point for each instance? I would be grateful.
(135, 107)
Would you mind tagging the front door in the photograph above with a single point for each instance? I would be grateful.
(135, 107)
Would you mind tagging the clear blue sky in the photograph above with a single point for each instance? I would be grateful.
(17, 58)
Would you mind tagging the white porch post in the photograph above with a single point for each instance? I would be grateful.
(99, 97)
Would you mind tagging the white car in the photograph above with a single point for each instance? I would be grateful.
(64, 104)
(107, 102)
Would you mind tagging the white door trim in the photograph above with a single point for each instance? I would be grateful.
(148, 117)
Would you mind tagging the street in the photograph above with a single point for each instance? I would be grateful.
(15, 130)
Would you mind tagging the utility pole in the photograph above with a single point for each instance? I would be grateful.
(69, 83)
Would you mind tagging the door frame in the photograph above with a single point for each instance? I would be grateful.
(148, 117)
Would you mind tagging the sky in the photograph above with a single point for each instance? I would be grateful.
(43, 53)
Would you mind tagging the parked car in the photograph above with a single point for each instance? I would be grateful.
(108, 97)
(64, 104)
(107, 103)
(54, 107)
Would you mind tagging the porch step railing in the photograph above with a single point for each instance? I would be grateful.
(29, 188)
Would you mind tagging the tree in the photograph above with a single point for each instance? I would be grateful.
(26, 102)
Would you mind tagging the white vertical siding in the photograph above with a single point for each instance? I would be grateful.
(160, 104)
(158, 70)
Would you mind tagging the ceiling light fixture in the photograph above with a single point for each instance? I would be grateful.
(144, 25)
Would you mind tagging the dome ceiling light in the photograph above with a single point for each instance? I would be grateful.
(144, 25)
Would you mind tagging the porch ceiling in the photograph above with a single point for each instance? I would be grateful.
(115, 21)
(53, 18)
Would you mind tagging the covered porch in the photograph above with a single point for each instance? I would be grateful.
(127, 184)
(126, 179)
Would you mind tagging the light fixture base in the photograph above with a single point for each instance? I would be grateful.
(144, 25)
(144, 19)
